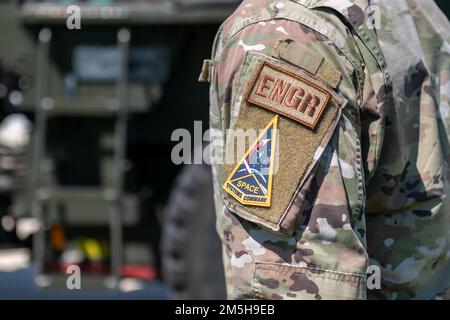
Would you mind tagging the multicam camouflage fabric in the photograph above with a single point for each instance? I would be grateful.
(378, 194)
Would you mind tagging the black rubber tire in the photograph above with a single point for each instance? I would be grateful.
(190, 247)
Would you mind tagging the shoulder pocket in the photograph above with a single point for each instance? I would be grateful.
(282, 120)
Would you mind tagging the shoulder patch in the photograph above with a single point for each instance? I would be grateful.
(270, 94)
(289, 95)
(250, 182)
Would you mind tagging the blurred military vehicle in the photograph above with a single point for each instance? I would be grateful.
(96, 185)
(101, 103)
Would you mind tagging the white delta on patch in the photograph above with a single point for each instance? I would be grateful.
(326, 230)
(256, 47)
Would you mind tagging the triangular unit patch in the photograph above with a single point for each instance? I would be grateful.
(250, 182)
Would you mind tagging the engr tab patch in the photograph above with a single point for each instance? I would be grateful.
(289, 95)
(250, 182)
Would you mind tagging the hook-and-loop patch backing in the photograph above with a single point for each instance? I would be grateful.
(296, 115)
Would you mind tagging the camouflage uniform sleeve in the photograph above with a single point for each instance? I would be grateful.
(407, 211)
(300, 233)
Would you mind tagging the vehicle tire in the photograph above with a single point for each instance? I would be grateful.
(190, 247)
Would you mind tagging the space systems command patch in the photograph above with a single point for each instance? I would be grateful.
(251, 180)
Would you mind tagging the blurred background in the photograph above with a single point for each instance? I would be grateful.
(86, 176)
